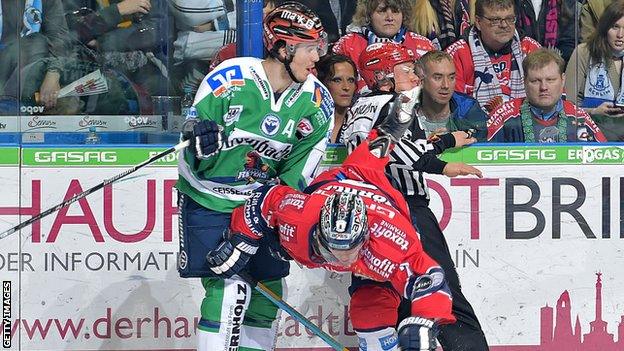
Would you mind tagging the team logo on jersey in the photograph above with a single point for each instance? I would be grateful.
(270, 125)
(233, 114)
(305, 127)
(255, 169)
(221, 80)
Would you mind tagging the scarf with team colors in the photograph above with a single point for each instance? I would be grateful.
(373, 38)
(486, 84)
(599, 88)
(33, 16)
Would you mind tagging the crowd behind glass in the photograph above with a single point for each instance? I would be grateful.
(145, 57)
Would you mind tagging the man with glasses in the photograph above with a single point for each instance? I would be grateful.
(258, 121)
(489, 60)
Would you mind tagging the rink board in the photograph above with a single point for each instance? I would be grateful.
(101, 275)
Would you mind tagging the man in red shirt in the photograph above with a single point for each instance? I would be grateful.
(489, 60)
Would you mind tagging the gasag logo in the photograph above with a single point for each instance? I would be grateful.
(270, 125)
(75, 156)
(225, 78)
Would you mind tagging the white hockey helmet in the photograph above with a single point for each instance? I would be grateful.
(344, 223)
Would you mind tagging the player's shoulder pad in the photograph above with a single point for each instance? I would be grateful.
(321, 101)
(508, 110)
(457, 46)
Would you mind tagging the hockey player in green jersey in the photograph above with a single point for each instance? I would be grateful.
(256, 121)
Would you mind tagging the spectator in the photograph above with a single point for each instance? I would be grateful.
(591, 10)
(32, 45)
(339, 74)
(225, 49)
(204, 26)
(489, 61)
(441, 110)
(380, 21)
(544, 116)
(125, 40)
(229, 51)
(594, 79)
(549, 22)
(324, 10)
(442, 21)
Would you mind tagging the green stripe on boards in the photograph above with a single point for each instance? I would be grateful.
(242, 348)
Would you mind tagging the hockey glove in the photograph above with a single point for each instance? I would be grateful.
(206, 137)
(418, 334)
(232, 255)
(396, 123)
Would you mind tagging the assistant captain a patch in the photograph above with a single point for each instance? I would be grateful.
(270, 125)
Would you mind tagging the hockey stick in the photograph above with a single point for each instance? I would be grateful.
(279, 302)
(93, 189)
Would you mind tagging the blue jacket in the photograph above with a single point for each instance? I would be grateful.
(466, 113)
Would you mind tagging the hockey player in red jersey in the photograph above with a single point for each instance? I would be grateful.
(351, 219)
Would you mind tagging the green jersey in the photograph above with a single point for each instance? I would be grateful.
(267, 136)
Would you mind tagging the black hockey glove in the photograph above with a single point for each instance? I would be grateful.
(418, 334)
(232, 255)
(206, 137)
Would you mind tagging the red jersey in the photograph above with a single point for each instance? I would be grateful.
(353, 44)
(464, 66)
(393, 252)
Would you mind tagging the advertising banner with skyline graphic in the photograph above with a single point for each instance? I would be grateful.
(527, 239)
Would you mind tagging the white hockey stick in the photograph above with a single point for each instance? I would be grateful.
(83, 194)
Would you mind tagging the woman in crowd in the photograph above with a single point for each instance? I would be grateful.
(339, 74)
(378, 21)
(594, 77)
(442, 21)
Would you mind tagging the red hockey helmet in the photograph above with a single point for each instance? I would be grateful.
(378, 60)
(293, 23)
